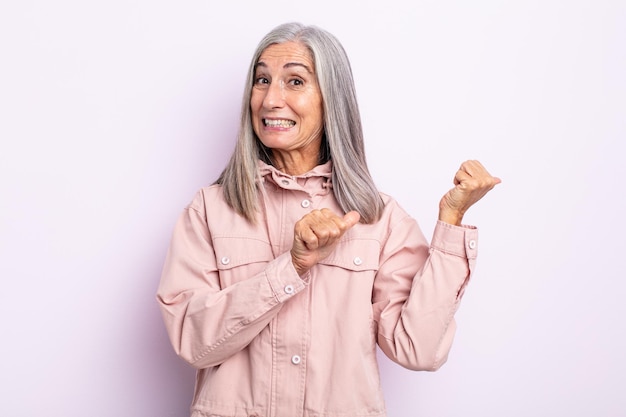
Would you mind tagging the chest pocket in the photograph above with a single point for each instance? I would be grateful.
(355, 255)
(240, 258)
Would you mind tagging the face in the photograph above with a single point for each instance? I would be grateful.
(286, 102)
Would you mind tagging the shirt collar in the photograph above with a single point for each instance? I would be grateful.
(319, 176)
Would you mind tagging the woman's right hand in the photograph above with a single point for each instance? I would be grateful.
(316, 235)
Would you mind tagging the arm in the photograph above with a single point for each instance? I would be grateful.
(206, 323)
(418, 290)
(415, 310)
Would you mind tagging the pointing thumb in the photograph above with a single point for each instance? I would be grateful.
(351, 218)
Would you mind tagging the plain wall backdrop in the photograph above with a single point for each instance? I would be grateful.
(112, 114)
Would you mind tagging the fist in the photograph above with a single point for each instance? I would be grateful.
(471, 183)
(316, 235)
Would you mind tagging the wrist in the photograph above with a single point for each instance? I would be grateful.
(300, 269)
(453, 217)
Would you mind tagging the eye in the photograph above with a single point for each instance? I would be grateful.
(297, 82)
(261, 81)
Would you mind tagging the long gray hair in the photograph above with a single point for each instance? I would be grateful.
(353, 186)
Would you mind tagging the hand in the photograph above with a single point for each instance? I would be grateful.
(472, 182)
(316, 235)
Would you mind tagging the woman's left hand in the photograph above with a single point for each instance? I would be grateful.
(472, 182)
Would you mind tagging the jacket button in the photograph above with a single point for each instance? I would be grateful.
(358, 261)
(225, 260)
(305, 203)
(289, 289)
(295, 359)
(472, 244)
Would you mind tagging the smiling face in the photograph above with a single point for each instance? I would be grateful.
(287, 108)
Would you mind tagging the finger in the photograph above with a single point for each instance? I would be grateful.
(347, 221)
(332, 227)
(308, 237)
(325, 225)
(351, 218)
(477, 170)
(473, 168)
(305, 230)
(461, 176)
(328, 216)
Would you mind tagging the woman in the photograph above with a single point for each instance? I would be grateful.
(283, 276)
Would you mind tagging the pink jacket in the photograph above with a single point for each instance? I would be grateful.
(269, 343)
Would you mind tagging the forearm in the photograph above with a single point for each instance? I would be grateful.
(206, 326)
(416, 329)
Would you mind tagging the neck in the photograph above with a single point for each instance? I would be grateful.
(294, 164)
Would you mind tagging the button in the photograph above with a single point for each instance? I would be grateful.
(306, 203)
(357, 261)
(472, 244)
(285, 182)
(289, 289)
(295, 359)
(225, 260)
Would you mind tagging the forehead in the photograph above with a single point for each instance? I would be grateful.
(281, 54)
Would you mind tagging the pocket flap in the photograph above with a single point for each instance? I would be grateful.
(232, 252)
(355, 255)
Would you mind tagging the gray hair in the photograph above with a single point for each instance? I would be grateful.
(353, 185)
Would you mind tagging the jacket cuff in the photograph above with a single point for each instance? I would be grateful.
(455, 240)
(283, 278)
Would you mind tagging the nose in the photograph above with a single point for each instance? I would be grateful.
(274, 96)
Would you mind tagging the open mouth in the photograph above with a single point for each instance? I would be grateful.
(279, 123)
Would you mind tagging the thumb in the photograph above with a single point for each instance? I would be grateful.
(351, 218)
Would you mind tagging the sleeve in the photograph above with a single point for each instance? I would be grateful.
(207, 324)
(417, 291)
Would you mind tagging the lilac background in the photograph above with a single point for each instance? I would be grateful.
(113, 113)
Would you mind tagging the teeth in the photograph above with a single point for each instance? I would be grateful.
(279, 123)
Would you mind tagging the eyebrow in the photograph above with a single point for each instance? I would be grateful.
(287, 65)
